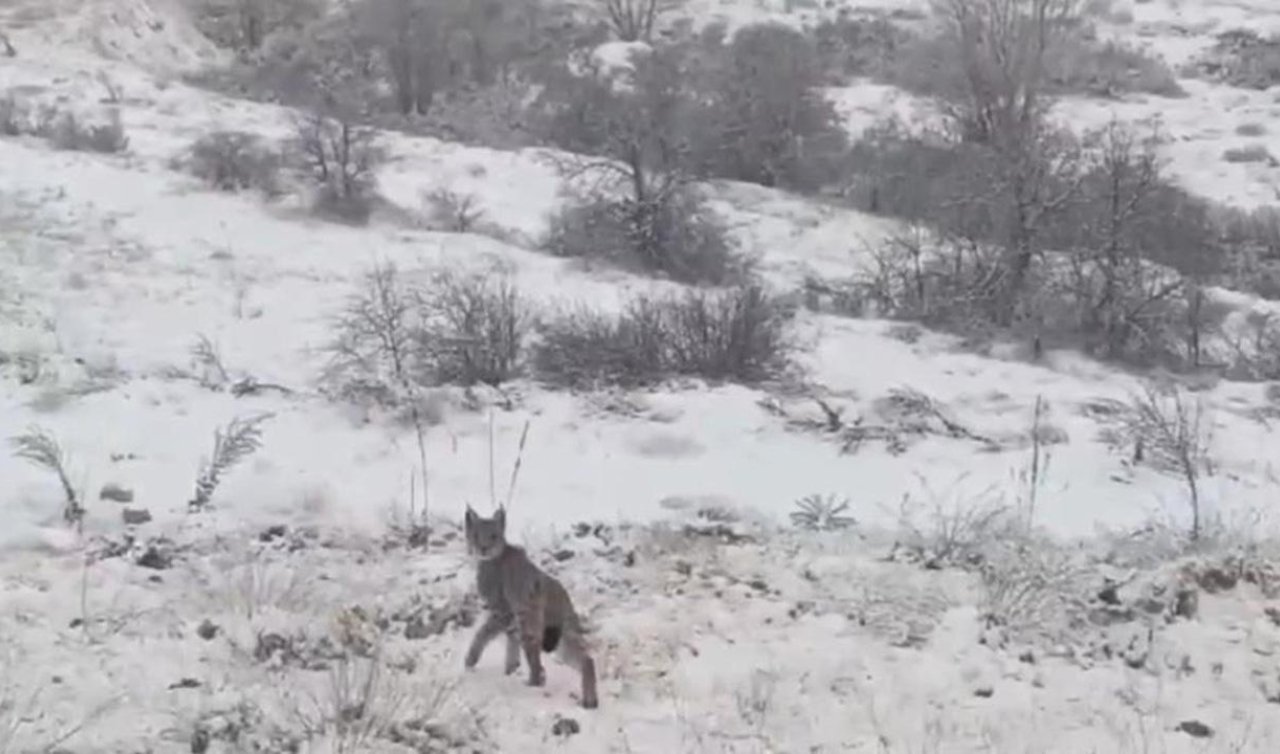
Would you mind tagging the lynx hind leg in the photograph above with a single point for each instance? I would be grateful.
(573, 652)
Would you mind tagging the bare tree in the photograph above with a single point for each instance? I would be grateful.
(246, 24)
(1174, 435)
(1001, 47)
(409, 36)
(341, 158)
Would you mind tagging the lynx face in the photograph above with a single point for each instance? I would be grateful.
(486, 537)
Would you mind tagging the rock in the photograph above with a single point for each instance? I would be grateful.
(564, 727)
(1195, 729)
(115, 493)
(1214, 580)
(563, 555)
(1109, 594)
(1273, 613)
(416, 628)
(135, 516)
(155, 558)
(184, 683)
(272, 533)
(1186, 603)
(207, 629)
(984, 692)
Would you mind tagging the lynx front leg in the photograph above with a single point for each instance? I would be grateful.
(529, 622)
(488, 631)
(513, 651)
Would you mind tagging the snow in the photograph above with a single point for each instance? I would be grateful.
(110, 266)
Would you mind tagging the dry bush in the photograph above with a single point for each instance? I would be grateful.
(1173, 433)
(341, 159)
(472, 329)
(633, 20)
(66, 131)
(454, 212)
(671, 232)
(40, 448)
(1242, 58)
(849, 46)
(762, 116)
(940, 533)
(1251, 153)
(394, 338)
(1033, 589)
(737, 335)
(245, 25)
(232, 444)
(15, 120)
(1109, 69)
(235, 161)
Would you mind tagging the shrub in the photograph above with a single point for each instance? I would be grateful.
(1251, 153)
(764, 118)
(1242, 58)
(472, 329)
(736, 335)
(453, 212)
(14, 119)
(235, 161)
(340, 158)
(671, 232)
(66, 131)
(1086, 66)
(848, 46)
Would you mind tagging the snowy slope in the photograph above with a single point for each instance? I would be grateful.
(111, 266)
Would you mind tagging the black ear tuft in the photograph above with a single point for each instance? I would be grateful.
(500, 517)
(470, 517)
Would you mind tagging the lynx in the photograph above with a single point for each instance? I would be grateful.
(530, 607)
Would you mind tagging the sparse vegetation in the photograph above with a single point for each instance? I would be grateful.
(1243, 58)
(1251, 153)
(822, 513)
(232, 444)
(736, 335)
(453, 212)
(235, 161)
(1173, 433)
(340, 159)
(472, 329)
(41, 448)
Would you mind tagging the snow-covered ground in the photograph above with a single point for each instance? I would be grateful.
(718, 627)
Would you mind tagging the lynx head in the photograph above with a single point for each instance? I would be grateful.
(486, 537)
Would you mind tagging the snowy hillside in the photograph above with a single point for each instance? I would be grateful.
(1016, 576)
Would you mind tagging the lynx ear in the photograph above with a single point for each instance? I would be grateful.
(500, 517)
(470, 517)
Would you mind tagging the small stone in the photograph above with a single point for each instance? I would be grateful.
(416, 628)
(564, 727)
(984, 692)
(156, 559)
(563, 555)
(184, 683)
(115, 493)
(135, 516)
(273, 532)
(1186, 603)
(1195, 729)
(207, 629)
(758, 584)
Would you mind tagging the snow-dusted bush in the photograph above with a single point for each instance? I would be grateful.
(340, 158)
(472, 329)
(235, 161)
(67, 131)
(669, 231)
(738, 335)
(1243, 58)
